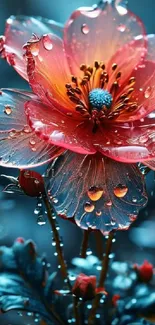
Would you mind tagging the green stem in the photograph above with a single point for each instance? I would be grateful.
(103, 275)
(84, 245)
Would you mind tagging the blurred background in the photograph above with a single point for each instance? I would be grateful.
(17, 218)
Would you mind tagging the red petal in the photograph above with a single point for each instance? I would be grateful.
(144, 92)
(128, 142)
(19, 145)
(94, 34)
(127, 58)
(48, 71)
(18, 31)
(99, 192)
(57, 128)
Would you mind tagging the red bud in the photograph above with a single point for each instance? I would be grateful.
(31, 183)
(144, 271)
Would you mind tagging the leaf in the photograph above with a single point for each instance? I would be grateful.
(23, 280)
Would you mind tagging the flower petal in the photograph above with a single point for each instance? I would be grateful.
(59, 129)
(19, 145)
(95, 34)
(18, 31)
(99, 192)
(144, 92)
(128, 142)
(48, 71)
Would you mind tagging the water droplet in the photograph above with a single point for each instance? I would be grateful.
(7, 110)
(109, 203)
(120, 190)
(89, 252)
(89, 207)
(95, 193)
(55, 200)
(27, 174)
(32, 142)
(47, 42)
(98, 213)
(85, 29)
(121, 28)
(134, 200)
(12, 133)
(113, 222)
(27, 129)
(147, 92)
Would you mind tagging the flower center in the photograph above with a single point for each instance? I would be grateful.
(98, 98)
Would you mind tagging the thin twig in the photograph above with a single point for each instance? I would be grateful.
(103, 275)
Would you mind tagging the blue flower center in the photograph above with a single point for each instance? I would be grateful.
(99, 97)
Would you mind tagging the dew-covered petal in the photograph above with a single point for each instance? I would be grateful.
(18, 31)
(59, 129)
(95, 34)
(127, 58)
(99, 192)
(144, 93)
(19, 145)
(48, 71)
(128, 142)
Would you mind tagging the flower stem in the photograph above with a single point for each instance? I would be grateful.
(99, 244)
(84, 245)
(103, 274)
(51, 217)
(76, 312)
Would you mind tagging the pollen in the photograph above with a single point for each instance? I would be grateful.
(99, 98)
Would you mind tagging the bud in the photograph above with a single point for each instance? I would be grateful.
(85, 287)
(144, 271)
(31, 183)
(115, 298)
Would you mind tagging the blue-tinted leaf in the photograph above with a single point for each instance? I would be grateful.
(23, 280)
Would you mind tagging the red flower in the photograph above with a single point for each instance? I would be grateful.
(92, 102)
(144, 271)
(85, 286)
